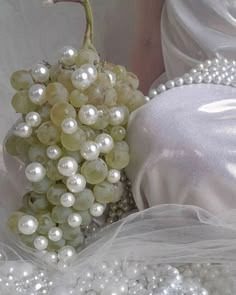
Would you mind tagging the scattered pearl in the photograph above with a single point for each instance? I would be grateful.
(55, 234)
(97, 209)
(22, 130)
(66, 253)
(69, 126)
(35, 172)
(90, 150)
(88, 114)
(54, 152)
(113, 176)
(83, 77)
(67, 200)
(50, 258)
(37, 94)
(40, 243)
(68, 55)
(74, 220)
(40, 73)
(27, 224)
(76, 183)
(67, 166)
(33, 119)
(105, 142)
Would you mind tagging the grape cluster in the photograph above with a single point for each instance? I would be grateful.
(72, 141)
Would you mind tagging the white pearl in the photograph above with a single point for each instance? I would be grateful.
(147, 99)
(67, 200)
(35, 172)
(22, 130)
(76, 183)
(112, 77)
(66, 253)
(67, 166)
(152, 93)
(55, 234)
(54, 152)
(74, 220)
(27, 224)
(170, 84)
(161, 88)
(40, 243)
(50, 258)
(179, 81)
(68, 55)
(97, 209)
(88, 114)
(83, 77)
(37, 94)
(105, 142)
(33, 119)
(40, 73)
(69, 126)
(198, 79)
(117, 116)
(90, 150)
(113, 176)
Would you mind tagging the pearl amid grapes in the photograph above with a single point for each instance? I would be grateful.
(117, 116)
(67, 200)
(83, 77)
(40, 243)
(97, 209)
(74, 220)
(55, 234)
(76, 183)
(35, 172)
(37, 94)
(89, 150)
(22, 130)
(40, 73)
(105, 142)
(54, 152)
(33, 119)
(67, 166)
(66, 253)
(50, 258)
(68, 55)
(88, 114)
(69, 126)
(113, 176)
(27, 224)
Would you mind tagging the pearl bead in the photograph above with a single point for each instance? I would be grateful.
(67, 200)
(69, 126)
(170, 84)
(112, 77)
(22, 130)
(188, 79)
(27, 224)
(68, 55)
(50, 258)
(37, 94)
(117, 116)
(33, 119)
(113, 176)
(179, 81)
(35, 172)
(83, 77)
(40, 243)
(152, 93)
(207, 79)
(105, 143)
(146, 99)
(90, 150)
(97, 209)
(66, 253)
(54, 152)
(55, 234)
(76, 183)
(198, 79)
(161, 88)
(74, 220)
(40, 73)
(88, 114)
(67, 166)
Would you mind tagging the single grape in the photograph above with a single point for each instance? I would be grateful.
(86, 56)
(22, 148)
(103, 118)
(60, 111)
(104, 192)
(52, 171)
(13, 221)
(42, 186)
(86, 217)
(48, 133)
(84, 200)
(56, 92)
(55, 192)
(21, 102)
(60, 214)
(73, 142)
(96, 94)
(89, 132)
(37, 153)
(78, 241)
(28, 240)
(65, 79)
(118, 133)
(10, 145)
(78, 99)
(94, 171)
(45, 223)
(38, 203)
(70, 233)
(33, 139)
(55, 246)
(132, 80)
(135, 101)
(76, 155)
(119, 157)
(55, 71)
(110, 97)
(21, 80)
(124, 92)
(104, 79)
(44, 112)
(120, 72)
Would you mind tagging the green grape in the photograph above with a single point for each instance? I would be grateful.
(78, 99)
(44, 112)
(45, 223)
(28, 240)
(124, 92)
(132, 80)
(78, 241)
(42, 186)
(120, 72)
(103, 118)
(104, 192)
(126, 113)
(21, 80)
(55, 192)
(52, 171)
(38, 203)
(48, 133)
(55, 246)
(22, 148)
(37, 153)
(118, 133)
(94, 171)
(86, 56)
(65, 79)
(86, 217)
(61, 111)
(84, 200)
(76, 155)
(55, 71)
(89, 132)
(119, 157)
(104, 79)
(135, 101)
(33, 139)
(10, 145)
(70, 233)
(73, 142)
(60, 214)
(110, 97)
(96, 94)
(21, 102)
(13, 220)
(56, 92)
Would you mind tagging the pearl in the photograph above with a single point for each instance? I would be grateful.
(83, 77)
(152, 93)
(33, 119)
(67, 166)
(117, 116)
(37, 94)
(161, 88)
(54, 152)
(55, 234)
(35, 172)
(112, 77)
(50, 258)
(146, 99)
(22, 130)
(69, 126)
(40, 73)
(179, 81)
(207, 79)
(188, 79)
(74, 220)
(68, 55)
(170, 84)
(105, 143)
(66, 253)
(76, 183)
(88, 114)
(67, 200)
(113, 176)
(90, 150)
(40, 243)
(27, 224)
(198, 79)
(97, 209)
